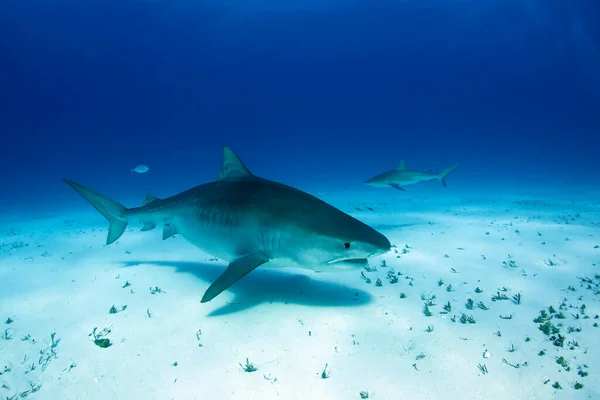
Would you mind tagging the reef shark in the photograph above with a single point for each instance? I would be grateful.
(249, 221)
(403, 176)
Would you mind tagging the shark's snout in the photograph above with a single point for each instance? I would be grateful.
(376, 181)
(382, 245)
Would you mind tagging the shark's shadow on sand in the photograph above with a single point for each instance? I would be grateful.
(267, 285)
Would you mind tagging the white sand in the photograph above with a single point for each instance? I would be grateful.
(291, 323)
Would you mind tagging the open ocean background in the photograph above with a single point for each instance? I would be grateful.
(316, 94)
(319, 95)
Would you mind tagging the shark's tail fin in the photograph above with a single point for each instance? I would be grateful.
(112, 211)
(445, 173)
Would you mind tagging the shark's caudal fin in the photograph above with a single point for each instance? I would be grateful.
(445, 173)
(112, 211)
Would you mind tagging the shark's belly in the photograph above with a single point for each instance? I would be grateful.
(219, 237)
(217, 244)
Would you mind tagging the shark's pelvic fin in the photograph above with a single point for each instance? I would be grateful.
(148, 226)
(235, 270)
(232, 166)
(396, 186)
(445, 173)
(149, 199)
(402, 165)
(112, 211)
(168, 231)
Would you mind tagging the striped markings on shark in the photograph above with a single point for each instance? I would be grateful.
(249, 221)
(402, 176)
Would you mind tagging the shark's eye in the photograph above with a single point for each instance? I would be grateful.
(347, 245)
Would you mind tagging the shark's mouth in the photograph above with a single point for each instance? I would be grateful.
(356, 261)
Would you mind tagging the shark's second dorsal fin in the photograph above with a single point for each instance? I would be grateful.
(232, 166)
(402, 165)
(149, 199)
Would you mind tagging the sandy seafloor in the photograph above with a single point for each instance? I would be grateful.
(57, 276)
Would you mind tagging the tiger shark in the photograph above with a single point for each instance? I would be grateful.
(249, 221)
(402, 176)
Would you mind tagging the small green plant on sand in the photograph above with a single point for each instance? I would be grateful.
(466, 319)
(448, 307)
(325, 373)
(469, 304)
(426, 311)
(562, 362)
(499, 296)
(99, 337)
(156, 289)
(517, 298)
(248, 366)
(7, 335)
(482, 368)
(114, 310)
(548, 328)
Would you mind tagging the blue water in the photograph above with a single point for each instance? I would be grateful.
(309, 93)
(321, 95)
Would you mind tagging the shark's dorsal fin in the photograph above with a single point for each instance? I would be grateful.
(232, 166)
(149, 199)
(402, 165)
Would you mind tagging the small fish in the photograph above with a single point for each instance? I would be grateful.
(141, 169)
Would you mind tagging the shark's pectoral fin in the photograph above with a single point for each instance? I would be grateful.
(235, 270)
(148, 226)
(396, 186)
(168, 231)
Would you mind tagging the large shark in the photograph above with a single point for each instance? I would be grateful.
(402, 176)
(249, 221)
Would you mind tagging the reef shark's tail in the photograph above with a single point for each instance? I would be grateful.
(444, 174)
(112, 211)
